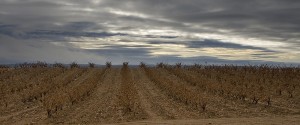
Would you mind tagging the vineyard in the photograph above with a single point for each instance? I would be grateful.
(40, 93)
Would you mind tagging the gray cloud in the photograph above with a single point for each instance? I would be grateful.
(268, 26)
(211, 43)
(42, 33)
(16, 51)
(73, 29)
(122, 51)
(265, 19)
(217, 44)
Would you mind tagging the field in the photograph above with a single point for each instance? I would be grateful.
(161, 94)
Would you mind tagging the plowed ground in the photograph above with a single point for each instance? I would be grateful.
(101, 105)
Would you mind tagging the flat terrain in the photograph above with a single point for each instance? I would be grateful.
(133, 96)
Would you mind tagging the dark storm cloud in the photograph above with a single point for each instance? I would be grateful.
(55, 20)
(155, 36)
(264, 19)
(56, 34)
(43, 33)
(72, 29)
(264, 15)
(9, 30)
(15, 51)
(81, 26)
(121, 51)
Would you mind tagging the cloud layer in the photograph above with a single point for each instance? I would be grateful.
(191, 31)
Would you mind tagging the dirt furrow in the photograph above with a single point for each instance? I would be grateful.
(145, 99)
(223, 107)
(129, 96)
(285, 120)
(215, 105)
(32, 112)
(157, 103)
(99, 107)
(27, 116)
(281, 103)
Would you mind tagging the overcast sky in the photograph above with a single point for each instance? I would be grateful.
(188, 31)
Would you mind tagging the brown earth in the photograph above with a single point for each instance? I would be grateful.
(101, 107)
